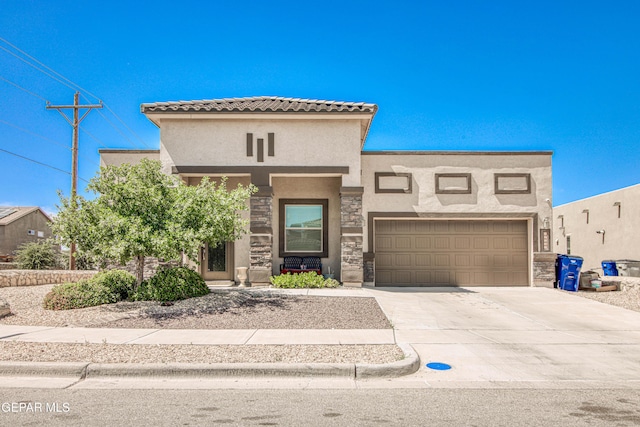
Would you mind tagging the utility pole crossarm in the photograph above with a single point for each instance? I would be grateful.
(51, 107)
(76, 107)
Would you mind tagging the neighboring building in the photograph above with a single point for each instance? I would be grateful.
(118, 157)
(20, 225)
(603, 227)
(388, 218)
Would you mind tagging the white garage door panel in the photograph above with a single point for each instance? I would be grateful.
(451, 253)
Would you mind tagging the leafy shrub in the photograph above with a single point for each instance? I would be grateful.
(119, 282)
(171, 284)
(309, 279)
(104, 288)
(83, 293)
(40, 255)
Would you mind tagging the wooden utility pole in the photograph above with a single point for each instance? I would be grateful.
(75, 123)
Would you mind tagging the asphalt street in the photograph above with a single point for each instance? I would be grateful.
(397, 407)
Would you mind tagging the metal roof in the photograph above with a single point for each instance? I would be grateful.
(13, 213)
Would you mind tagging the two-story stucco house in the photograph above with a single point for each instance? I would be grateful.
(391, 218)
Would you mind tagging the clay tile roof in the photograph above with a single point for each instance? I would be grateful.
(270, 104)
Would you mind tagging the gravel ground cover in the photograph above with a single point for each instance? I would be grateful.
(629, 298)
(144, 353)
(222, 309)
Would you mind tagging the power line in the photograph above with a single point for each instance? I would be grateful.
(48, 139)
(116, 128)
(93, 136)
(35, 134)
(39, 163)
(70, 84)
(31, 65)
(76, 86)
(21, 88)
(125, 125)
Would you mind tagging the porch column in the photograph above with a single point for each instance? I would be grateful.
(351, 239)
(261, 238)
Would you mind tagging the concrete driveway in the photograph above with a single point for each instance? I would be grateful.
(514, 337)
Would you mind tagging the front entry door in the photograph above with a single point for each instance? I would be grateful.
(217, 262)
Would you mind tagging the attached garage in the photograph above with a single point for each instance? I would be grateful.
(451, 252)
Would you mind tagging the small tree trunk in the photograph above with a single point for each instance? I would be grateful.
(139, 270)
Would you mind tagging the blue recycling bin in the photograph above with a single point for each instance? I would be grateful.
(568, 272)
(609, 268)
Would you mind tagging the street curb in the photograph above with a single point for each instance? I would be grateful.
(44, 369)
(406, 366)
(84, 370)
(221, 370)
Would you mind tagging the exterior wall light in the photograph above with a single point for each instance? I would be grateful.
(619, 205)
(601, 232)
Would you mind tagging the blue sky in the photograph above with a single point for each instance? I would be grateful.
(446, 75)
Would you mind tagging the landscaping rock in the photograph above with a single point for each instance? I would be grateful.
(4, 308)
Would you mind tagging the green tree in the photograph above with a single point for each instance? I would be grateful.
(140, 211)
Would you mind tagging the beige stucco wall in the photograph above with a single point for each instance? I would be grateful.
(118, 157)
(300, 142)
(622, 235)
(482, 202)
(309, 188)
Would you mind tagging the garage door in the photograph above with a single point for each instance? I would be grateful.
(451, 253)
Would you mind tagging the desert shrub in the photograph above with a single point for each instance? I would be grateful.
(309, 279)
(171, 284)
(104, 288)
(119, 282)
(40, 255)
(83, 293)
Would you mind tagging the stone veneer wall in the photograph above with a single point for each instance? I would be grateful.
(41, 277)
(544, 268)
(151, 266)
(369, 270)
(351, 240)
(351, 253)
(261, 239)
(351, 211)
(261, 212)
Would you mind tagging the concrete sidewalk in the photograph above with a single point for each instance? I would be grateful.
(196, 336)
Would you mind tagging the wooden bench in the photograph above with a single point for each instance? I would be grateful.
(296, 264)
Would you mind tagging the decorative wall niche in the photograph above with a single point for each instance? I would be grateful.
(453, 183)
(512, 183)
(392, 182)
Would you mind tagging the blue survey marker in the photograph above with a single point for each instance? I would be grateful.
(438, 366)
